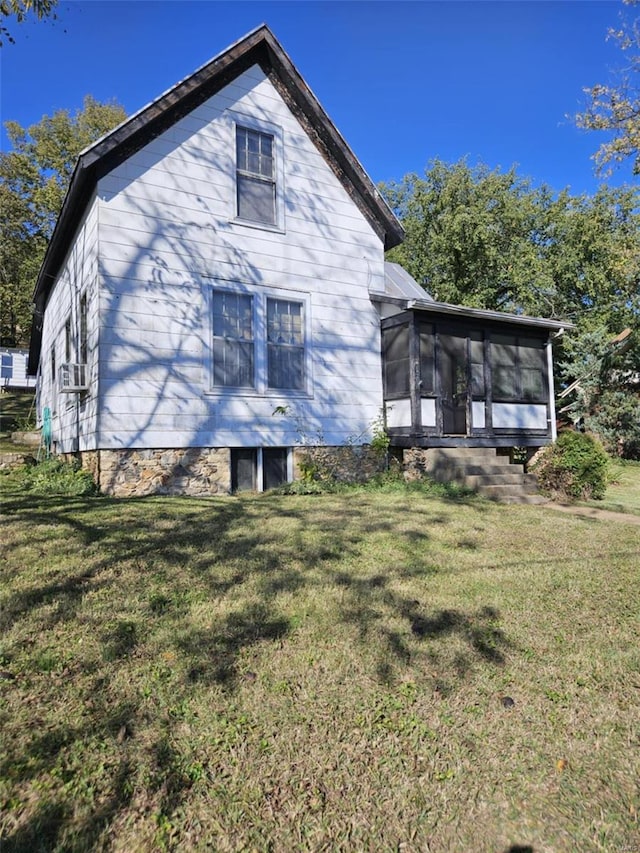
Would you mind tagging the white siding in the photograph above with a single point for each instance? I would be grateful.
(14, 369)
(73, 416)
(168, 235)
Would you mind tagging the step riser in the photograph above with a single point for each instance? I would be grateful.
(485, 471)
(477, 470)
(482, 481)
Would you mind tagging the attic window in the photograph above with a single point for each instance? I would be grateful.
(255, 176)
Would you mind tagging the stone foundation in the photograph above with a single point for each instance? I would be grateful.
(345, 463)
(195, 471)
(416, 463)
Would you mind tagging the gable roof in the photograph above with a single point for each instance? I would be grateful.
(259, 47)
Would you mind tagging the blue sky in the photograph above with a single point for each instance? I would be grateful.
(405, 82)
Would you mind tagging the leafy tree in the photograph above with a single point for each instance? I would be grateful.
(468, 233)
(591, 260)
(19, 11)
(34, 176)
(488, 239)
(607, 398)
(615, 107)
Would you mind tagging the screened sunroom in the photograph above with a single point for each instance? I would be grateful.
(466, 377)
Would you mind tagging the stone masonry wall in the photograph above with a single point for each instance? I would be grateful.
(344, 463)
(196, 471)
(416, 463)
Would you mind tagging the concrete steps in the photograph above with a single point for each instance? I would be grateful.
(485, 471)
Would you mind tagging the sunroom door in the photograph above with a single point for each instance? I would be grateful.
(454, 383)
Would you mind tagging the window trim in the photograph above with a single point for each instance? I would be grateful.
(260, 366)
(235, 120)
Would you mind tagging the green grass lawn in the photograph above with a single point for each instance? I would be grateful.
(623, 490)
(331, 672)
(16, 408)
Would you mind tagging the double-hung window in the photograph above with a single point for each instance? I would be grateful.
(259, 342)
(233, 343)
(285, 344)
(255, 176)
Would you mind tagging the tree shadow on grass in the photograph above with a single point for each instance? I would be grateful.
(213, 654)
(155, 560)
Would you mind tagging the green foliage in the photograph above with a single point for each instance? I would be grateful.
(52, 477)
(34, 176)
(615, 107)
(616, 420)
(19, 11)
(380, 440)
(575, 467)
(488, 239)
(389, 481)
(325, 468)
(607, 398)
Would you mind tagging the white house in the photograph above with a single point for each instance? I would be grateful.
(13, 369)
(220, 256)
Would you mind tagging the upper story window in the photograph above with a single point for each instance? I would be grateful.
(233, 343)
(255, 176)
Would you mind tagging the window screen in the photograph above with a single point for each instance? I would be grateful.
(395, 349)
(476, 343)
(243, 469)
(532, 368)
(427, 360)
(67, 340)
(518, 366)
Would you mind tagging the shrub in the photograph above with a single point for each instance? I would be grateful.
(575, 467)
(53, 477)
(616, 420)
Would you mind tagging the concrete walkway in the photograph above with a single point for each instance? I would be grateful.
(594, 513)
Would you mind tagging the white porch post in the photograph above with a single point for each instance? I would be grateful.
(552, 393)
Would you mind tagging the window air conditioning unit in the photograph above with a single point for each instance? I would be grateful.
(73, 378)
